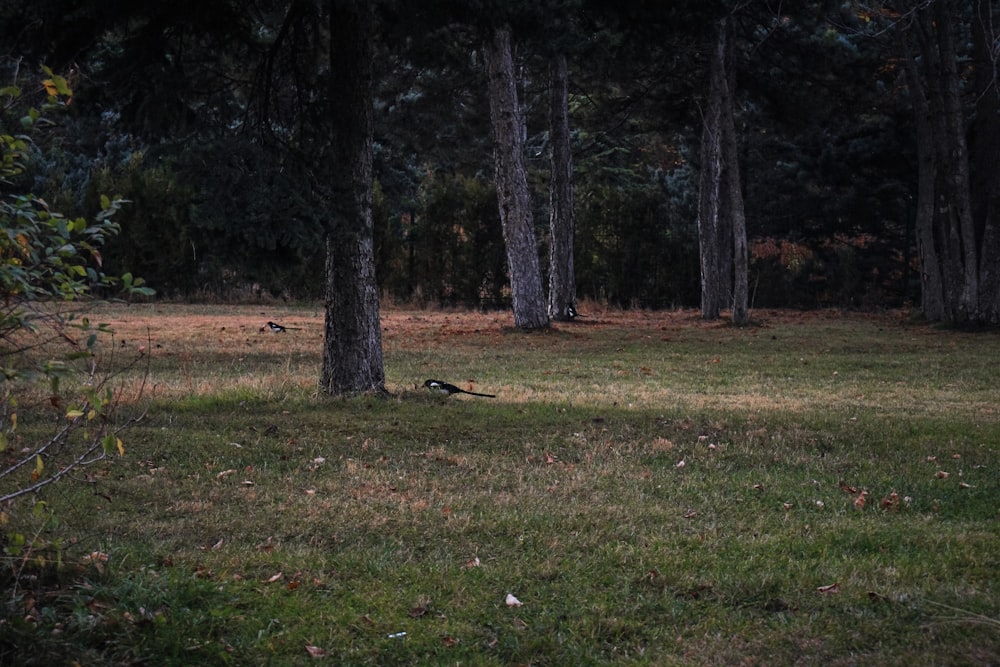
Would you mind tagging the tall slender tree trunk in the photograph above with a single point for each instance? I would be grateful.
(512, 186)
(956, 211)
(983, 153)
(352, 349)
(562, 279)
(931, 280)
(721, 217)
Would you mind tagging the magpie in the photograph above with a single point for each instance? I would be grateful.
(450, 389)
(276, 328)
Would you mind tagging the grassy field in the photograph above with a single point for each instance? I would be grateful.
(646, 489)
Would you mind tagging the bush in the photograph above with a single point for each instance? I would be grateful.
(48, 260)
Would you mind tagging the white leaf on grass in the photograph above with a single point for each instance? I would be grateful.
(512, 601)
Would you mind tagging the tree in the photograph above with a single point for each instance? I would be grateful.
(721, 218)
(956, 218)
(512, 185)
(48, 259)
(352, 348)
(562, 278)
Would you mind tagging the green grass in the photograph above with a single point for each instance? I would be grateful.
(251, 518)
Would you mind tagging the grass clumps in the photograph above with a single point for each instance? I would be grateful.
(650, 488)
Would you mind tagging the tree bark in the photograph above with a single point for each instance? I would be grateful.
(562, 279)
(956, 210)
(709, 214)
(931, 280)
(983, 152)
(352, 350)
(721, 215)
(512, 186)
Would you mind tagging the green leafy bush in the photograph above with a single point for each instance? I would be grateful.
(47, 260)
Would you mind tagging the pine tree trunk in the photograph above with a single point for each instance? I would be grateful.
(983, 152)
(512, 186)
(732, 187)
(352, 349)
(956, 230)
(931, 280)
(562, 280)
(709, 205)
(721, 218)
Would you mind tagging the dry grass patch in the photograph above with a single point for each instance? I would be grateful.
(646, 484)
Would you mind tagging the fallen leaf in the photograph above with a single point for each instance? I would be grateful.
(315, 652)
(965, 485)
(831, 588)
(890, 502)
(449, 641)
(275, 578)
(941, 474)
(473, 563)
(225, 473)
(680, 464)
(859, 502)
(512, 601)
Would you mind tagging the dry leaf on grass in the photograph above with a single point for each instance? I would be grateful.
(830, 588)
(315, 652)
(512, 601)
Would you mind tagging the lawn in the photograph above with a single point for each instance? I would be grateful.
(646, 489)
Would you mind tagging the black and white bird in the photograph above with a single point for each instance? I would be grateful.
(276, 328)
(449, 389)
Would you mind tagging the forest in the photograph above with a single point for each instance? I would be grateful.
(861, 144)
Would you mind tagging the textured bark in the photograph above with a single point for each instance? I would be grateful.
(931, 280)
(956, 211)
(709, 213)
(352, 350)
(512, 186)
(983, 154)
(562, 278)
(721, 217)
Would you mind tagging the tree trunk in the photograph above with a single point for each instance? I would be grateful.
(931, 280)
(512, 186)
(956, 225)
(732, 187)
(352, 350)
(562, 279)
(721, 217)
(709, 217)
(983, 152)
